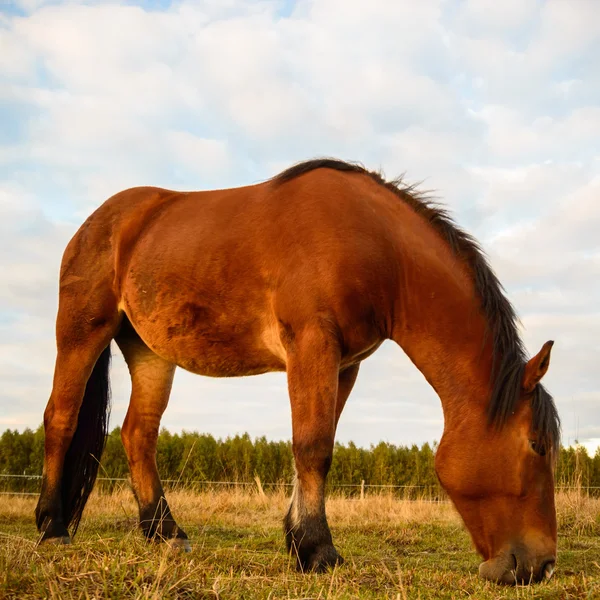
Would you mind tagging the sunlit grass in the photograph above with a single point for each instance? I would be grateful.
(393, 549)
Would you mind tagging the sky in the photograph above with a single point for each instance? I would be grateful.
(494, 105)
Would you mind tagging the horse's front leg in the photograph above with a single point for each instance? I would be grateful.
(313, 375)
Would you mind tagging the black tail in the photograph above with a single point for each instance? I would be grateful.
(83, 456)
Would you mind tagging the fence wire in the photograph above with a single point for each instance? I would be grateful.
(28, 485)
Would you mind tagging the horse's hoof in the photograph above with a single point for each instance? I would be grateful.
(320, 560)
(62, 540)
(180, 544)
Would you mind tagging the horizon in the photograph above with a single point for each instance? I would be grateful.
(590, 447)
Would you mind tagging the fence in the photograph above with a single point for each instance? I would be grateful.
(29, 485)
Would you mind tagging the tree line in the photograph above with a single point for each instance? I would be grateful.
(195, 459)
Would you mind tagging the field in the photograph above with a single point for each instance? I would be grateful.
(393, 549)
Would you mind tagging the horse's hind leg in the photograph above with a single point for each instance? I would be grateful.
(76, 415)
(151, 379)
(313, 381)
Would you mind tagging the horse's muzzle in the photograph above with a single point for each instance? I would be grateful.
(517, 568)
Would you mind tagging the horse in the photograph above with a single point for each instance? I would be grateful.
(308, 272)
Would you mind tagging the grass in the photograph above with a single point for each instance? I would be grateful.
(393, 549)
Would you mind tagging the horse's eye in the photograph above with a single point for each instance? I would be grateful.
(537, 448)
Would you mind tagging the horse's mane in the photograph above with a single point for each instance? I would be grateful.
(509, 352)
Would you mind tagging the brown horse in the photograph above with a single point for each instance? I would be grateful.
(306, 273)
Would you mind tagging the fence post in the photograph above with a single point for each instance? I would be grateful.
(261, 492)
(362, 489)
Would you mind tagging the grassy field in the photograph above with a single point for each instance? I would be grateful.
(393, 549)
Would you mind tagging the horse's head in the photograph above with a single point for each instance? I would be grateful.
(501, 480)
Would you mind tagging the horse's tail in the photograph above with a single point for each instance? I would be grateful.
(83, 456)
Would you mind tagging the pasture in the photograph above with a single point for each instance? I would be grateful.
(393, 549)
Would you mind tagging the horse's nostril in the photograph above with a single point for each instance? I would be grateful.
(547, 569)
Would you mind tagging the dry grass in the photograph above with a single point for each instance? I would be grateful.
(393, 549)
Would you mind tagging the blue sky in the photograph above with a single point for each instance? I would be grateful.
(495, 105)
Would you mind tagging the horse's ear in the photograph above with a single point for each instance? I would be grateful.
(536, 368)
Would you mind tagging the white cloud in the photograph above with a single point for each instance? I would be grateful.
(485, 17)
(513, 139)
(200, 156)
(495, 105)
(566, 29)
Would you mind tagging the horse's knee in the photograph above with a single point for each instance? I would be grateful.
(313, 456)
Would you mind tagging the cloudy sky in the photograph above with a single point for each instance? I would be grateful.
(496, 105)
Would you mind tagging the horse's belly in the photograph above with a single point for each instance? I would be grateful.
(231, 358)
(212, 343)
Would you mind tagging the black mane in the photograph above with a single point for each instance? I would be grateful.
(508, 349)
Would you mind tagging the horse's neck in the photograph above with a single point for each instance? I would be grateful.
(438, 322)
